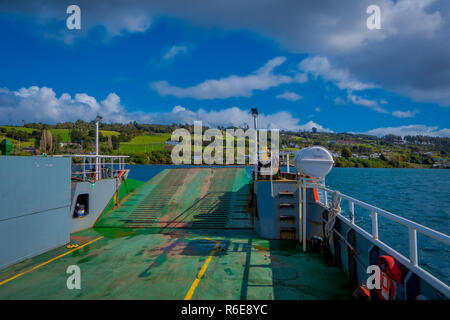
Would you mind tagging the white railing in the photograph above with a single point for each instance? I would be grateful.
(96, 167)
(412, 262)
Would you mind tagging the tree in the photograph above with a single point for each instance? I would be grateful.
(46, 144)
(115, 142)
(346, 153)
(109, 143)
(77, 135)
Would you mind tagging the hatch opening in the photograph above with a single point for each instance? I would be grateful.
(81, 206)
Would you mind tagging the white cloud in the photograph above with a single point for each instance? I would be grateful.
(41, 104)
(411, 130)
(291, 96)
(339, 101)
(231, 86)
(301, 78)
(408, 55)
(233, 116)
(174, 51)
(405, 114)
(311, 124)
(372, 104)
(320, 66)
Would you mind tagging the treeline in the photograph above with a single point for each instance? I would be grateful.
(81, 130)
(153, 157)
(20, 134)
(426, 140)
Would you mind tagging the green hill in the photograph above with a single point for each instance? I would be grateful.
(145, 143)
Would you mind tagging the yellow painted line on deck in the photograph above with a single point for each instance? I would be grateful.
(201, 272)
(47, 262)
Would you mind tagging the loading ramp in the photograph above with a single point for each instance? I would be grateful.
(186, 198)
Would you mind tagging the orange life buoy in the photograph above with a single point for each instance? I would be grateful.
(390, 277)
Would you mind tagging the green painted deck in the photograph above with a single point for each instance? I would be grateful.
(155, 244)
(141, 264)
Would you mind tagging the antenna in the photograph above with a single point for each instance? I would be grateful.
(97, 168)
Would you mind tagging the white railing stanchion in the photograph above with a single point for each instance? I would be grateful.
(97, 165)
(374, 215)
(413, 246)
(325, 198)
(351, 205)
(84, 169)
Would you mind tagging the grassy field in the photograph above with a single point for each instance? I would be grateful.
(28, 130)
(64, 133)
(107, 133)
(145, 139)
(145, 143)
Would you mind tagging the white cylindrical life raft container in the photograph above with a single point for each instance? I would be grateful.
(314, 161)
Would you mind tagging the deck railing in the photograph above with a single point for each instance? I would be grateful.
(96, 167)
(412, 262)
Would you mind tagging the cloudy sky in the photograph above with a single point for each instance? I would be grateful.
(303, 64)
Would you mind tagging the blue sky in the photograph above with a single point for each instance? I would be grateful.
(176, 68)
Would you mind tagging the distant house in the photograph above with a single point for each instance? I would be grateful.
(364, 157)
(30, 150)
(375, 155)
(332, 142)
(335, 155)
(355, 155)
(69, 144)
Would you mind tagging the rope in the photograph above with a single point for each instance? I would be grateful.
(335, 209)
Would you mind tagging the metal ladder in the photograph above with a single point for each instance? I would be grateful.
(287, 219)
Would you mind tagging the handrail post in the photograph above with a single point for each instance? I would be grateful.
(375, 225)
(325, 198)
(84, 169)
(413, 246)
(351, 205)
(288, 165)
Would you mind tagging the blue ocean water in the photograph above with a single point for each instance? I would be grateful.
(420, 195)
